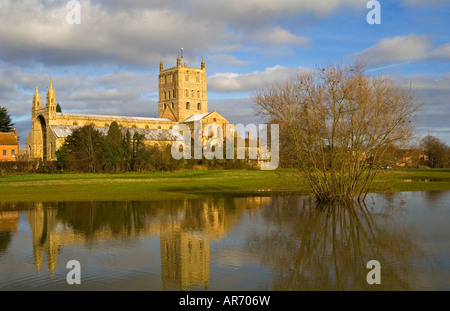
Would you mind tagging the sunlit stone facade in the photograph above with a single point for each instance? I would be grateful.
(182, 97)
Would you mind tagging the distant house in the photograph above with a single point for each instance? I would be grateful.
(9, 146)
(411, 157)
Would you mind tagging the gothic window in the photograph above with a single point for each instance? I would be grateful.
(187, 105)
(173, 94)
(165, 95)
(199, 106)
(165, 106)
(173, 105)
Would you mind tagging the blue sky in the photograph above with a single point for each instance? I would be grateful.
(109, 63)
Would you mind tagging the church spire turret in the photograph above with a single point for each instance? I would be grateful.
(37, 99)
(50, 94)
(51, 101)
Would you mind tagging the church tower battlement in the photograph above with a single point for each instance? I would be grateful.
(182, 91)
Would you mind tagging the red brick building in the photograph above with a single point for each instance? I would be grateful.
(9, 146)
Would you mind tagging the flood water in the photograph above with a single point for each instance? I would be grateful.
(252, 243)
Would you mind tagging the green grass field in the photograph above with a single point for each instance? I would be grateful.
(192, 184)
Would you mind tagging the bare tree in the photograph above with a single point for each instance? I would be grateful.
(339, 121)
(436, 151)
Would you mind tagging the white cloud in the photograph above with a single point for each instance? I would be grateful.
(433, 92)
(442, 51)
(402, 49)
(397, 49)
(280, 36)
(139, 33)
(235, 82)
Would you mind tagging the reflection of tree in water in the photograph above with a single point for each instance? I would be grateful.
(434, 197)
(9, 220)
(120, 218)
(327, 247)
(5, 240)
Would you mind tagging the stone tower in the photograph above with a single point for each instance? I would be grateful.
(40, 142)
(182, 91)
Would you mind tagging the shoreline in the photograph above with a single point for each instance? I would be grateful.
(60, 187)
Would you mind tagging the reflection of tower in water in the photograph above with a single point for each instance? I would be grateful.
(42, 220)
(185, 239)
(184, 258)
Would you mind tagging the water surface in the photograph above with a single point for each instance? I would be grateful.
(256, 243)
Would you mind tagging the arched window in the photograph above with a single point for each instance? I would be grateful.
(199, 106)
(173, 105)
(173, 93)
(215, 119)
(187, 105)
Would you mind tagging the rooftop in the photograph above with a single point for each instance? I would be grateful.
(112, 117)
(62, 131)
(196, 117)
(8, 139)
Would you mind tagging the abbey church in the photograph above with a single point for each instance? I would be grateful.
(182, 99)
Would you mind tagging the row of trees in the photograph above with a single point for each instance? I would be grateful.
(87, 149)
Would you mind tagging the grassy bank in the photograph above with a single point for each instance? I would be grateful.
(191, 184)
